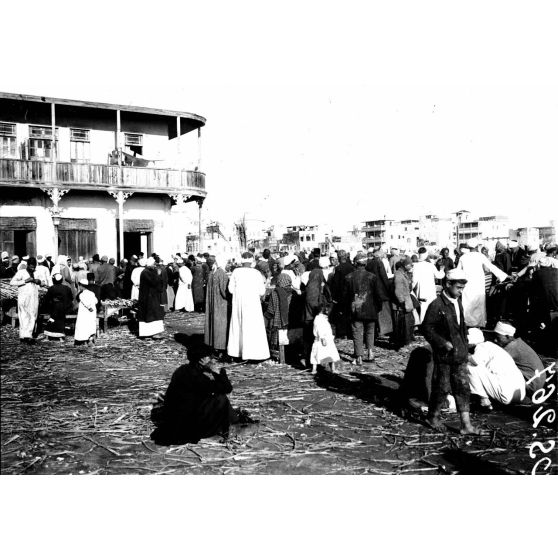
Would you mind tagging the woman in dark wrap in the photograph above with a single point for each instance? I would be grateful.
(316, 294)
(277, 313)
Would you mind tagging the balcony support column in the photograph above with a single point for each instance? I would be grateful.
(200, 243)
(55, 194)
(199, 149)
(53, 154)
(178, 143)
(120, 198)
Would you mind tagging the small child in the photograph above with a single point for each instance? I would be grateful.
(323, 348)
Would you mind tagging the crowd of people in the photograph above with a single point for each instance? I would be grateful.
(295, 306)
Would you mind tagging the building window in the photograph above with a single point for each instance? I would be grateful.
(7, 139)
(40, 142)
(79, 145)
(134, 143)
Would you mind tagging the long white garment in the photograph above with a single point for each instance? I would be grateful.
(148, 329)
(86, 321)
(474, 293)
(27, 303)
(247, 336)
(496, 375)
(135, 278)
(42, 273)
(322, 330)
(387, 267)
(184, 298)
(424, 282)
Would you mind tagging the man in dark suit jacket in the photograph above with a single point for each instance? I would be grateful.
(444, 328)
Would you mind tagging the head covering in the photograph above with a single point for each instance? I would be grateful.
(288, 259)
(456, 275)
(197, 352)
(475, 336)
(284, 280)
(61, 260)
(504, 329)
(57, 278)
(104, 259)
(84, 282)
(133, 257)
(150, 261)
(361, 259)
(142, 262)
(22, 265)
(15, 259)
(247, 257)
(324, 262)
(40, 259)
(82, 265)
(5, 255)
(25, 258)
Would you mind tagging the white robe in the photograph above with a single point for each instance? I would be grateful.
(424, 282)
(474, 293)
(86, 321)
(496, 375)
(247, 335)
(135, 278)
(27, 303)
(322, 330)
(184, 298)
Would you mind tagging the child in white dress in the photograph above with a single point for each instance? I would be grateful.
(323, 350)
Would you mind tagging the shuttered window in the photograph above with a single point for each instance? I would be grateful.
(8, 144)
(79, 145)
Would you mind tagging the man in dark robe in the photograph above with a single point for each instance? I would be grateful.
(217, 308)
(150, 309)
(127, 279)
(376, 266)
(197, 285)
(195, 405)
(339, 314)
(58, 303)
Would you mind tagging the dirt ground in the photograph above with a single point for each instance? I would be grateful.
(75, 410)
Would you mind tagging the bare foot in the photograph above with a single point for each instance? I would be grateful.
(434, 423)
(473, 430)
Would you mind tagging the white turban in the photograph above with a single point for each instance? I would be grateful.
(504, 329)
(150, 261)
(475, 336)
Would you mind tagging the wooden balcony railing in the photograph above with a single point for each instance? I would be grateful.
(89, 176)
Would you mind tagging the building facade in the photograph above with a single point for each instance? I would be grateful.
(79, 178)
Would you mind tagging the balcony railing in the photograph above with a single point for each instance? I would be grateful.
(88, 175)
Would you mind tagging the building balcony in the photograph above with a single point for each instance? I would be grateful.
(90, 176)
(374, 228)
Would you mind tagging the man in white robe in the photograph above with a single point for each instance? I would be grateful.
(425, 274)
(474, 295)
(493, 374)
(247, 335)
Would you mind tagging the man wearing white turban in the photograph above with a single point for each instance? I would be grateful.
(474, 294)
(247, 335)
(493, 375)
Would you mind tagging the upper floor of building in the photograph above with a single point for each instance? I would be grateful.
(86, 145)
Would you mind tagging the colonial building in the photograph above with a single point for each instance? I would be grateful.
(79, 177)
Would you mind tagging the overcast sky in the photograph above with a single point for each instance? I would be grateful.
(323, 111)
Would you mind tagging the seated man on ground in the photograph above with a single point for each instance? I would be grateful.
(195, 405)
(525, 358)
(493, 375)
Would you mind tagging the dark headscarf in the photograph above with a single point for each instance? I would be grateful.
(284, 292)
(314, 288)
